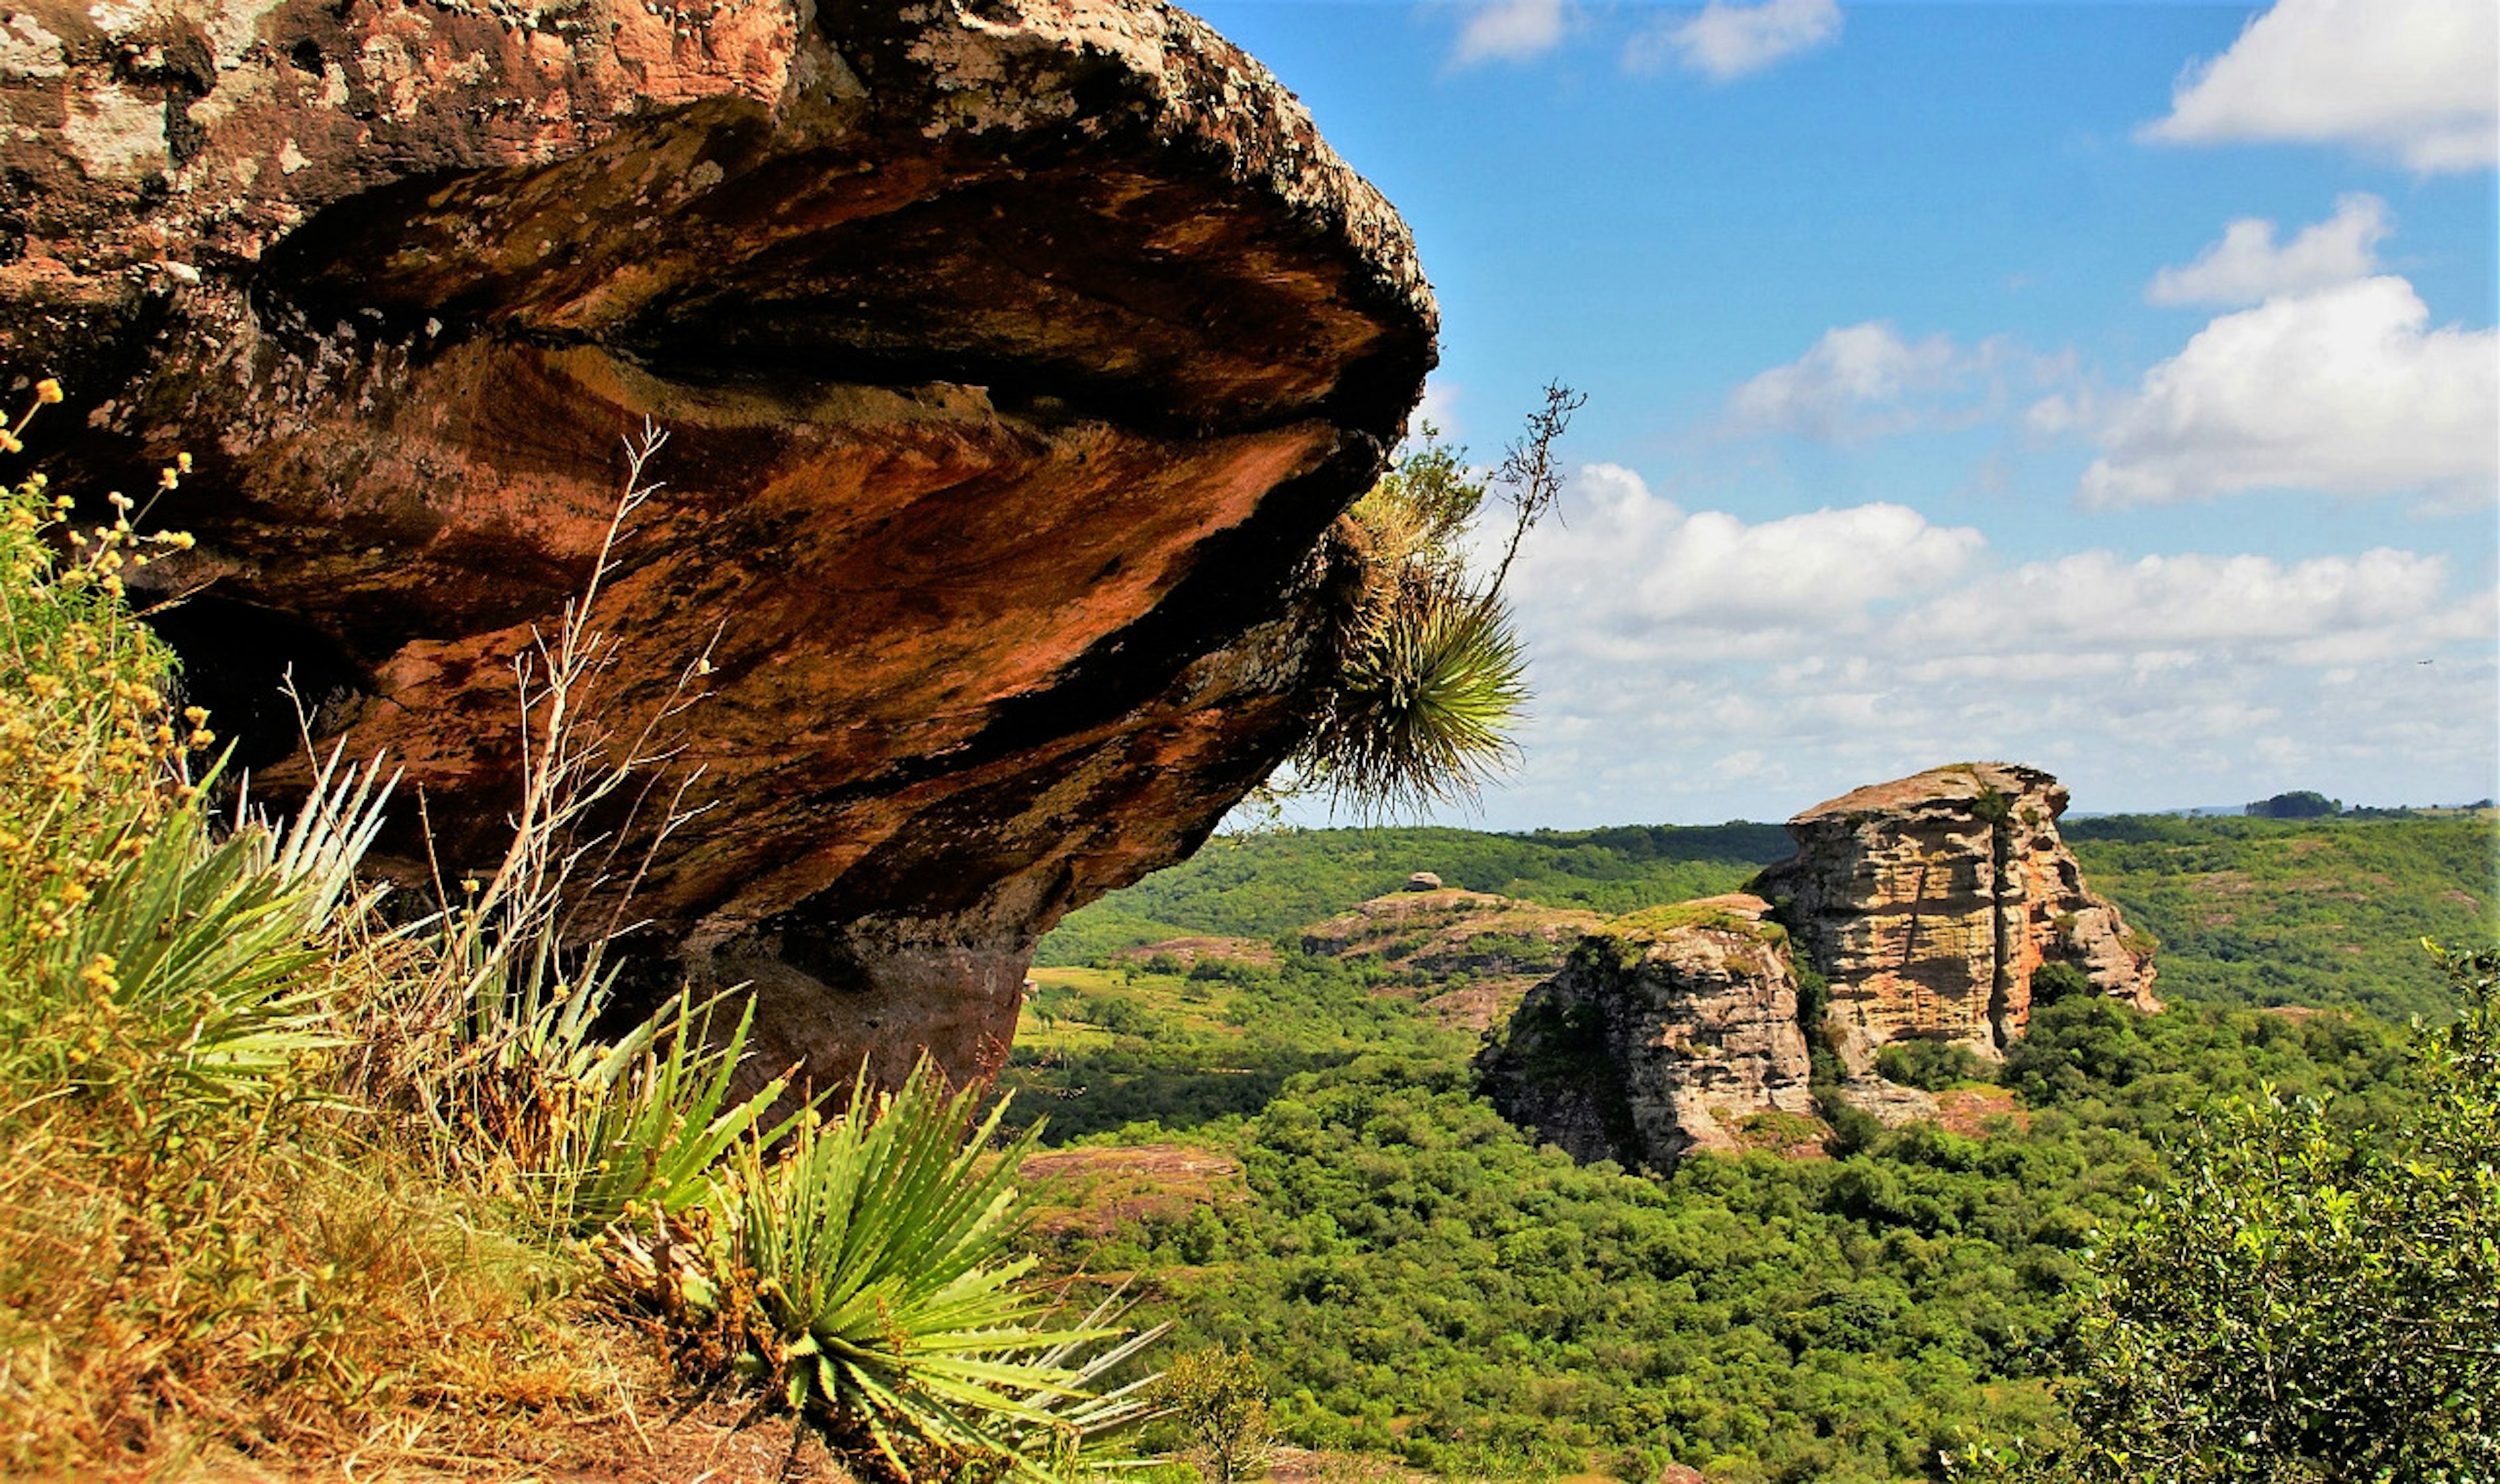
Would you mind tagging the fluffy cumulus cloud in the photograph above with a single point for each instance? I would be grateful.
(2347, 389)
(2247, 267)
(1509, 30)
(1725, 41)
(1865, 380)
(2417, 80)
(1707, 569)
(1691, 665)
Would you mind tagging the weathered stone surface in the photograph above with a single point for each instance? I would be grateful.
(1929, 901)
(1017, 355)
(1665, 1033)
(1446, 930)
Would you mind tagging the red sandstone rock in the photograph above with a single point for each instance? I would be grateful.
(1929, 903)
(1017, 355)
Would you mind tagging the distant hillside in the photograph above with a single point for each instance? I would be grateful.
(2300, 911)
(1268, 884)
(2250, 911)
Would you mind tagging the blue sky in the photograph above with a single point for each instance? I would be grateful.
(2107, 387)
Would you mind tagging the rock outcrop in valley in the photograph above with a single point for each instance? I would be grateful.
(1668, 1031)
(1929, 904)
(1926, 905)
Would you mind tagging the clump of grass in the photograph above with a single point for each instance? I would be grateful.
(1651, 923)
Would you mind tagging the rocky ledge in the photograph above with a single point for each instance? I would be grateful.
(1017, 356)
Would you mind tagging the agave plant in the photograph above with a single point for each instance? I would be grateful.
(1431, 676)
(188, 961)
(886, 1311)
(649, 1123)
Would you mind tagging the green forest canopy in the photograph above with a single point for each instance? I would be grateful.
(1419, 1278)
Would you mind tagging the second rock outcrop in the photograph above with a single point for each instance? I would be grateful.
(1667, 1031)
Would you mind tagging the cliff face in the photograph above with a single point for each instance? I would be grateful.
(1928, 903)
(1016, 354)
(1664, 1032)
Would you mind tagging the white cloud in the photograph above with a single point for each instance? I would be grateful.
(2246, 266)
(1728, 41)
(1848, 368)
(1509, 30)
(1693, 665)
(1864, 381)
(1631, 560)
(2415, 79)
(2345, 389)
(2093, 603)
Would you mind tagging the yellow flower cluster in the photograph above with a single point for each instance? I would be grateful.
(90, 749)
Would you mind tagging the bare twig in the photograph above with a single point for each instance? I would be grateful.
(1528, 477)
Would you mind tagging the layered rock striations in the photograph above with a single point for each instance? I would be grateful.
(1667, 1032)
(1929, 904)
(1016, 357)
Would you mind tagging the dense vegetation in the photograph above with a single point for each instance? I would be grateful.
(1262, 885)
(2321, 911)
(1419, 1279)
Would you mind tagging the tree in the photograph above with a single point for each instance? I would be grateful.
(2306, 803)
(2306, 1302)
(1219, 1399)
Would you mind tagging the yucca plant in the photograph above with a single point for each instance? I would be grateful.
(1429, 675)
(1422, 710)
(188, 960)
(653, 1116)
(880, 1302)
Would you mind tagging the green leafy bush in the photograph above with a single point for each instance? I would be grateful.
(2306, 1299)
(1931, 1064)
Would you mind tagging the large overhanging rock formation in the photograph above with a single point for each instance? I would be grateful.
(1016, 355)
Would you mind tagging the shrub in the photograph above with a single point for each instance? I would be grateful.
(1929, 1065)
(1217, 1399)
(2053, 981)
(2305, 1301)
